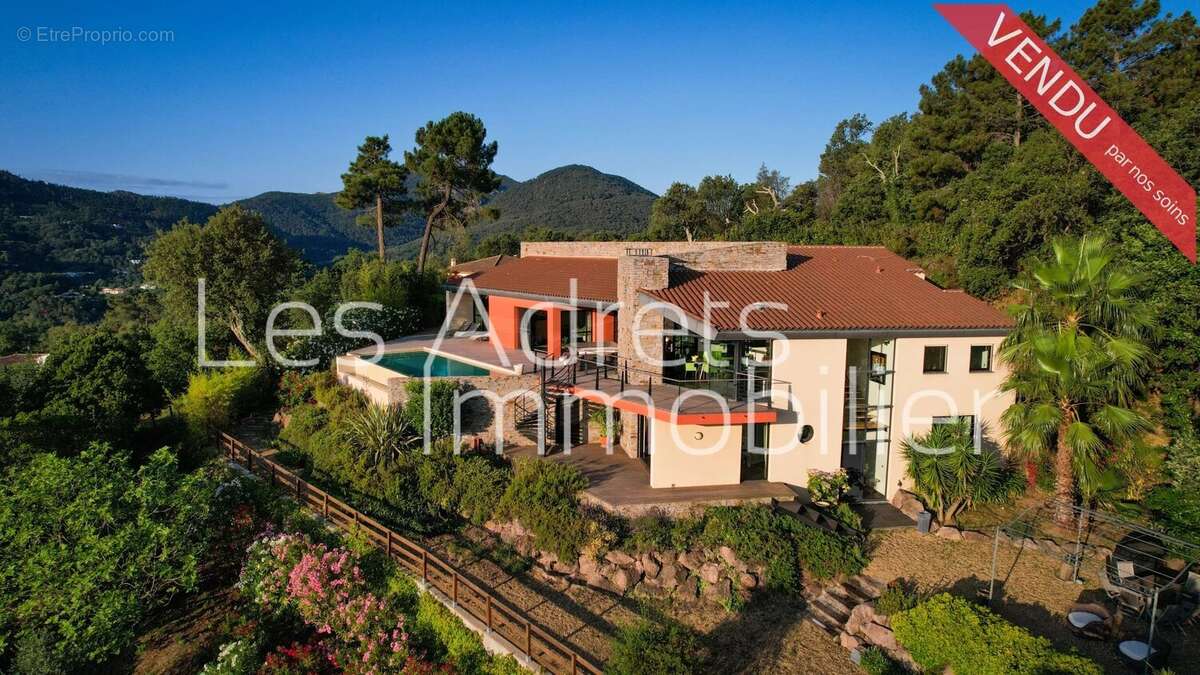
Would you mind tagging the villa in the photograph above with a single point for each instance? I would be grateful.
(727, 364)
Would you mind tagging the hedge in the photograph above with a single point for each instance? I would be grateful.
(948, 632)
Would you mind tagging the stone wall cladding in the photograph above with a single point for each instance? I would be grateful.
(756, 256)
(478, 415)
(730, 255)
(713, 575)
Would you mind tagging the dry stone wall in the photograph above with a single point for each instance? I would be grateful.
(713, 575)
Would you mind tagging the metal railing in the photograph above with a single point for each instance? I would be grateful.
(596, 372)
(501, 618)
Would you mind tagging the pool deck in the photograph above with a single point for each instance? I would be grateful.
(484, 353)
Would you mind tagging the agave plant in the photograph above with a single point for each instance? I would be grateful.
(381, 434)
(951, 476)
(1078, 362)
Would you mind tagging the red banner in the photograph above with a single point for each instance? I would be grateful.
(1065, 99)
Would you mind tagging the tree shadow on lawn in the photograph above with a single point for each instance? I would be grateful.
(738, 642)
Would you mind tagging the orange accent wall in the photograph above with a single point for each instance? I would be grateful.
(604, 327)
(505, 313)
(505, 316)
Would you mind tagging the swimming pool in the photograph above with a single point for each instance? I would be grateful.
(412, 363)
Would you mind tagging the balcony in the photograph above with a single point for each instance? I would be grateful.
(625, 385)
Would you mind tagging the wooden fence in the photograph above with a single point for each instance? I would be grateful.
(500, 617)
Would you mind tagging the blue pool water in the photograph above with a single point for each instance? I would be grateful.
(413, 364)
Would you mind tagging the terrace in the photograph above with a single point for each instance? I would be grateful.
(621, 484)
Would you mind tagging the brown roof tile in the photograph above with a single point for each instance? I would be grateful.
(550, 276)
(473, 266)
(832, 288)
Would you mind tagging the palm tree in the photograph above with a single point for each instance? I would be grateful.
(1077, 361)
(951, 476)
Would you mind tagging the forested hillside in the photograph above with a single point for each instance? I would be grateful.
(314, 225)
(58, 244)
(572, 201)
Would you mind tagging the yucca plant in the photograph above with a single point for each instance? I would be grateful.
(1077, 360)
(381, 434)
(951, 476)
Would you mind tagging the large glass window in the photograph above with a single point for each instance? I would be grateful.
(581, 320)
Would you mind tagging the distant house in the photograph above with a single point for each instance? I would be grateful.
(17, 359)
(107, 290)
(727, 362)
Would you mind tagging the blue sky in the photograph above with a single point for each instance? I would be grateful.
(247, 99)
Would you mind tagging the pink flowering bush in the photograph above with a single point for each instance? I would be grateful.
(326, 588)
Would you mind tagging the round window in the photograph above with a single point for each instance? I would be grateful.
(806, 433)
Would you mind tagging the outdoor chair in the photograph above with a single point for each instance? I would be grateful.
(1090, 621)
(1136, 654)
(1112, 590)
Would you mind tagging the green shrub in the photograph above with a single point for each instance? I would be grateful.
(478, 484)
(296, 389)
(446, 639)
(649, 533)
(1176, 510)
(948, 632)
(544, 496)
(380, 435)
(441, 406)
(654, 647)
(685, 533)
(215, 399)
(845, 513)
(90, 546)
(783, 545)
(306, 421)
(875, 661)
(898, 596)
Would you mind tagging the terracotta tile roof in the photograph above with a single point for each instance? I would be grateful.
(832, 288)
(473, 266)
(550, 276)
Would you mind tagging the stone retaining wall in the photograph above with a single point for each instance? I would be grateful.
(714, 575)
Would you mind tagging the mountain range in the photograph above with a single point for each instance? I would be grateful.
(57, 229)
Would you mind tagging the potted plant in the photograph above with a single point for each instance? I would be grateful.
(826, 488)
(599, 419)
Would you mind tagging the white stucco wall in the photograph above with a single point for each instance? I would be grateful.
(680, 459)
(816, 370)
(919, 396)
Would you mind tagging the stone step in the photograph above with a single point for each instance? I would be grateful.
(868, 585)
(824, 619)
(838, 606)
(848, 595)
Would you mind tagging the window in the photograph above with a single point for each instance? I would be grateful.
(981, 358)
(954, 419)
(935, 359)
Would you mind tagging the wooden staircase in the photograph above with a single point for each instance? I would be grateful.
(830, 609)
